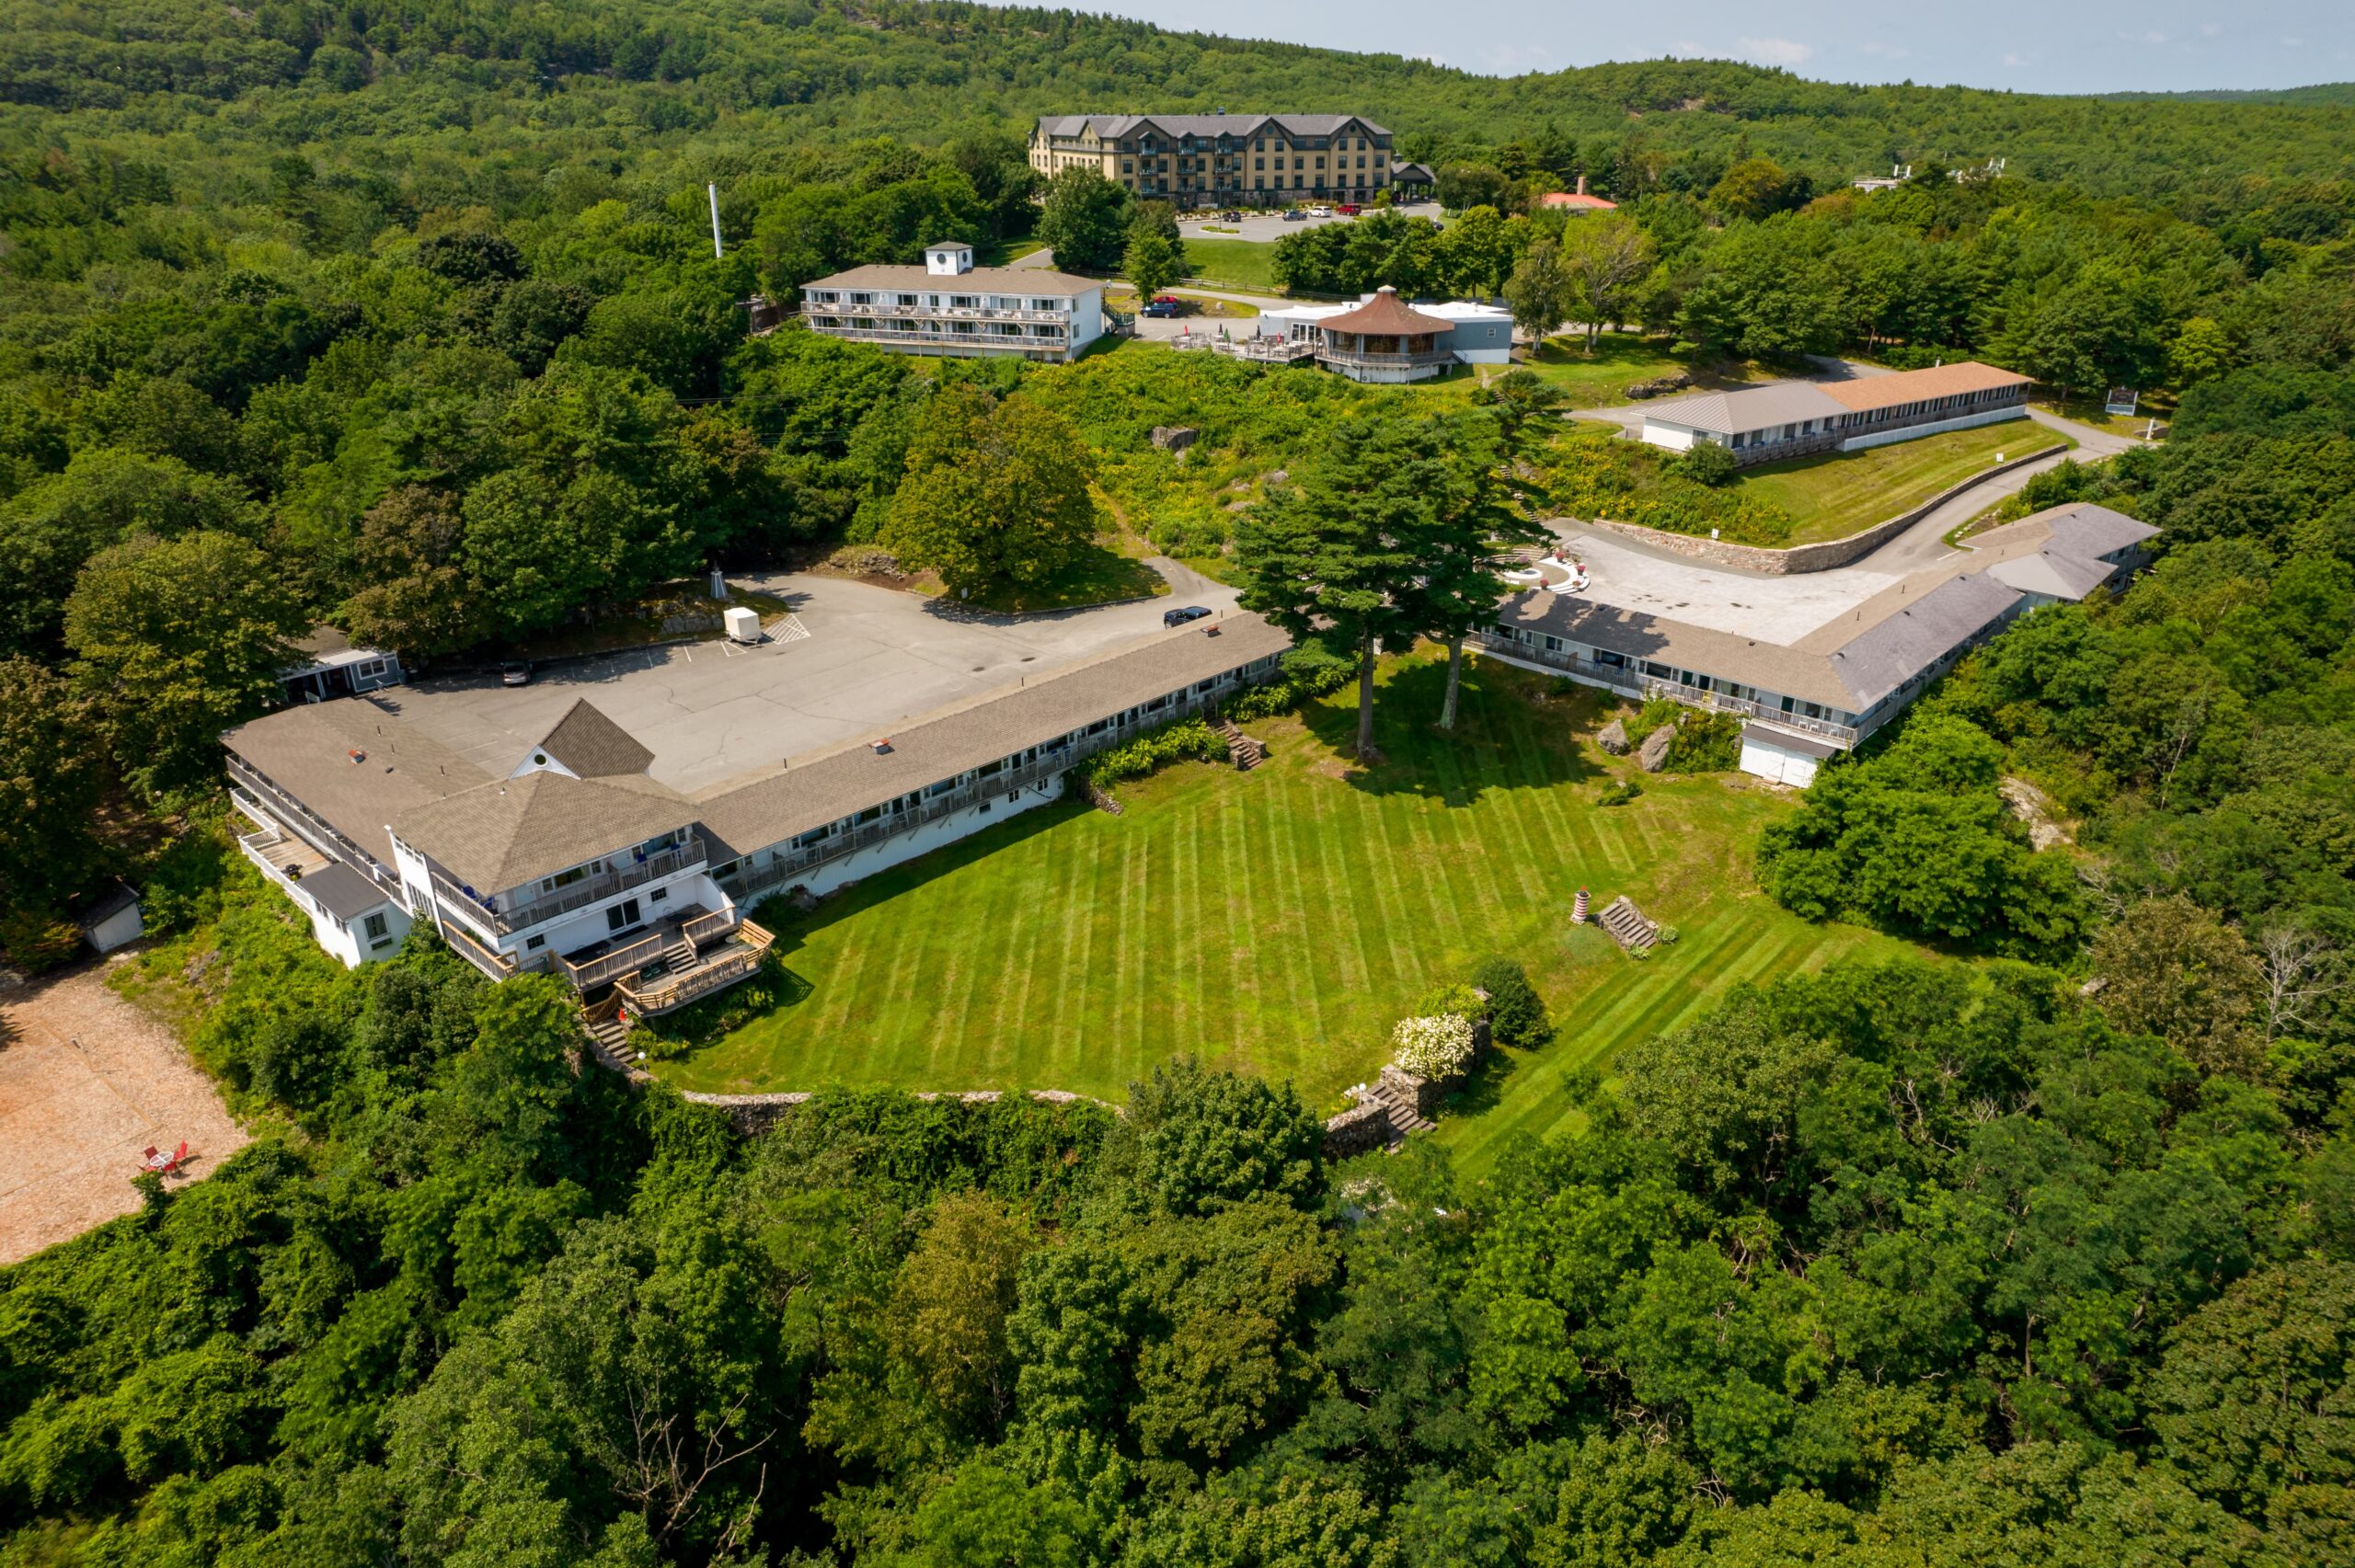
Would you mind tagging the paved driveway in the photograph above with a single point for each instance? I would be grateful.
(874, 657)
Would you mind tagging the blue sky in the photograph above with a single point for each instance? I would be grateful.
(2070, 47)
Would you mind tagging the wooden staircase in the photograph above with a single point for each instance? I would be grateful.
(1241, 749)
(1627, 925)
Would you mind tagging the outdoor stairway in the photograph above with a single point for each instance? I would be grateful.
(1397, 1105)
(679, 955)
(1627, 925)
(609, 1035)
(1241, 749)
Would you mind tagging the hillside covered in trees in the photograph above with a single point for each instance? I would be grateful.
(407, 316)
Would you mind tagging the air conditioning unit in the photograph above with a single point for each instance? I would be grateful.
(744, 624)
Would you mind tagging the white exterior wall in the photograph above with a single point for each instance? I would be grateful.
(117, 929)
(1773, 763)
(1086, 320)
(1908, 432)
(1676, 438)
(588, 924)
(347, 942)
(922, 839)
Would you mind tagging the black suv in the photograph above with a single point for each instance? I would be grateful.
(1179, 617)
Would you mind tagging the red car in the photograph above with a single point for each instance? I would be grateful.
(1349, 209)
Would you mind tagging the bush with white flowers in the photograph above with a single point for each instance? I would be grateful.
(1436, 1047)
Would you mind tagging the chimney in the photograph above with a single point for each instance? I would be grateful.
(1581, 184)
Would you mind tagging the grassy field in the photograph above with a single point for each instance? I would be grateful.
(1620, 358)
(1241, 264)
(1280, 920)
(1834, 495)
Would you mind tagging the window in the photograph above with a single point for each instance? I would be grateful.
(815, 835)
(533, 943)
(564, 878)
(623, 916)
(379, 931)
(657, 895)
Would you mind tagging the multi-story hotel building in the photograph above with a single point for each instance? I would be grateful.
(949, 306)
(1231, 160)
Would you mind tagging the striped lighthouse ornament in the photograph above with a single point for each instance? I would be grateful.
(1579, 909)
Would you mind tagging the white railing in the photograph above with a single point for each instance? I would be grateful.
(1630, 681)
(944, 313)
(267, 802)
(577, 895)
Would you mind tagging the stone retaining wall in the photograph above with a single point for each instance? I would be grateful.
(1356, 1130)
(1818, 557)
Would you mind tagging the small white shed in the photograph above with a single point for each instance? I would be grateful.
(1782, 755)
(744, 624)
(114, 919)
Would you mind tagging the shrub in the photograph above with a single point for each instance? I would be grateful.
(1619, 791)
(1434, 1047)
(1188, 739)
(1707, 463)
(1516, 1012)
(37, 941)
(1310, 671)
(1453, 997)
(1706, 743)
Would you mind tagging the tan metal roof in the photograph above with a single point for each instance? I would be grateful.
(593, 746)
(748, 814)
(1868, 393)
(308, 751)
(1745, 409)
(510, 833)
(1115, 126)
(980, 281)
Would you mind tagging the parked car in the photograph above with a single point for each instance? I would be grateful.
(515, 672)
(1162, 304)
(1230, 217)
(1179, 617)
(1320, 212)
(1349, 209)
(1293, 214)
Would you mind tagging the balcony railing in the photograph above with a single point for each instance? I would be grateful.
(717, 971)
(267, 806)
(1331, 355)
(946, 313)
(490, 960)
(574, 895)
(1013, 343)
(1630, 681)
(621, 961)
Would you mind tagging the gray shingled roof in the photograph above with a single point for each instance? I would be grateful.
(593, 746)
(1115, 126)
(1635, 634)
(1746, 409)
(980, 281)
(1892, 651)
(2090, 532)
(343, 892)
(2054, 576)
(307, 751)
(1788, 740)
(509, 834)
(745, 815)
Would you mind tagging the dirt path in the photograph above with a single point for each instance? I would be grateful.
(87, 1082)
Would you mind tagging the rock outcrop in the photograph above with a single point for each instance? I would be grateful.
(1652, 755)
(1614, 739)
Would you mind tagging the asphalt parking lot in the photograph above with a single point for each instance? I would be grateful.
(874, 657)
(1264, 227)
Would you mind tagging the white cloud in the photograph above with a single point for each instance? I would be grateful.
(1774, 51)
(2211, 29)
(2154, 39)
(2016, 60)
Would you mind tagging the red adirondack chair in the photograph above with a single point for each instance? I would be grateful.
(164, 1164)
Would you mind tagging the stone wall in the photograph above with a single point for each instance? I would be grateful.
(1818, 557)
(1355, 1130)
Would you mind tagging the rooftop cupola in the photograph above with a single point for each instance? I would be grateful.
(948, 259)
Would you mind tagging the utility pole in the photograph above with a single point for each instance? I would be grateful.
(713, 190)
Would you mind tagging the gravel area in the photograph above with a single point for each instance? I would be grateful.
(87, 1083)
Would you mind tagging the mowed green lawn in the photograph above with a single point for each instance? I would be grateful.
(1280, 920)
(1837, 494)
(1247, 266)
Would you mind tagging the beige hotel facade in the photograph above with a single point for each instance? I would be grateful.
(1233, 160)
